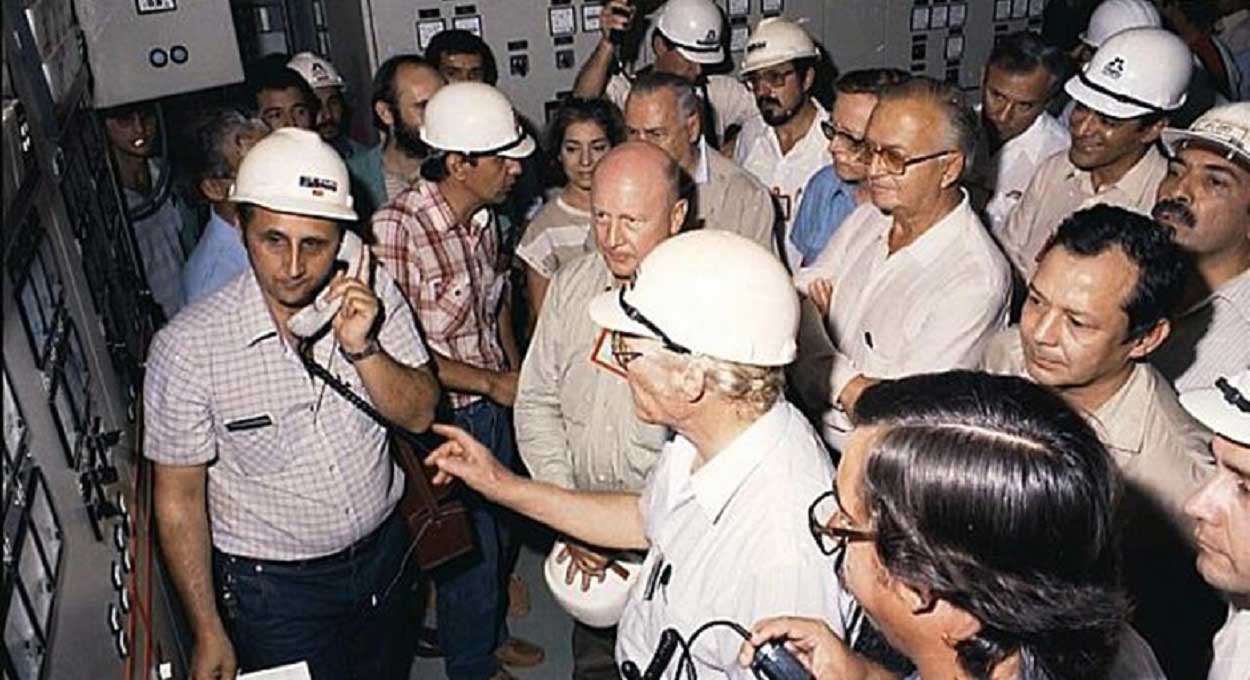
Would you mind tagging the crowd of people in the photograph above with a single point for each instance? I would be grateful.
(915, 386)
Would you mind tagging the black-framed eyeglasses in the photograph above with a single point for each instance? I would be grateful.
(638, 317)
(832, 133)
(774, 78)
(893, 161)
(822, 517)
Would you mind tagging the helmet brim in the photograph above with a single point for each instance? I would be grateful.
(522, 150)
(1209, 407)
(606, 312)
(1108, 106)
(296, 206)
(704, 57)
(1172, 137)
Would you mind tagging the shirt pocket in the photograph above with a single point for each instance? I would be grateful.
(252, 444)
(450, 304)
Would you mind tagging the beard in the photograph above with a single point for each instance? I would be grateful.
(775, 115)
(408, 137)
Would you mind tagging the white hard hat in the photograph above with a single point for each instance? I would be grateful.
(292, 171)
(1224, 408)
(710, 292)
(602, 604)
(317, 72)
(775, 41)
(1113, 16)
(474, 118)
(694, 26)
(1134, 73)
(1226, 126)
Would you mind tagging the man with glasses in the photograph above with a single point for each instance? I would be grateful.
(575, 421)
(702, 336)
(784, 146)
(835, 191)
(919, 242)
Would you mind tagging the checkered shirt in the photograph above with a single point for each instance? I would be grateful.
(294, 470)
(452, 274)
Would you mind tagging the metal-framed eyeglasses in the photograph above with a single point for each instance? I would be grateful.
(893, 161)
(842, 139)
(828, 523)
(774, 78)
(620, 348)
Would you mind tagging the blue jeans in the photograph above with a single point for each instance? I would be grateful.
(340, 614)
(471, 593)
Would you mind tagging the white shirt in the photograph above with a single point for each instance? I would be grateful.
(730, 101)
(731, 541)
(931, 306)
(1006, 174)
(758, 151)
(1232, 648)
(1209, 340)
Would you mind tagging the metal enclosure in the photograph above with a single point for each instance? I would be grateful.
(143, 49)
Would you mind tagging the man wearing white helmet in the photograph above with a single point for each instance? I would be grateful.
(439, 240)
(1123, 98)
(783, 146)
(576, 427)
(1222, 515)
(333, 114)
(1111, 17)
(1205, 198)
(275, 496)
(703, 335)
(686, 40)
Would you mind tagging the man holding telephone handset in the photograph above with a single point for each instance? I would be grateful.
(305, 548)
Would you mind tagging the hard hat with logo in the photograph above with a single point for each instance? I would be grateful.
(474, 118)
(708, 292)
(316, 71)
(1113, 16)
(601, 605)
(1136, 72)
(694, 26)
(775, 41)
(292, 171)
(1227, 127)
(1224, 407)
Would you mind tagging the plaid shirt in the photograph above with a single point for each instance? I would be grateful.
(452, 274)
(294, 470)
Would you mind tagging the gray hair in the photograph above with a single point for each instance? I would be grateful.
(218, 128)
(962, 126)
(688, 103)
(754, 388)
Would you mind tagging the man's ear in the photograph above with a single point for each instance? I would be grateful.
(953, 170)
(457, 165)
(384, 113)
(690, 381)
(215, 189)
(694, 126)
(1153, 132)
(677, 216)
(809, 79)
(1150, 340)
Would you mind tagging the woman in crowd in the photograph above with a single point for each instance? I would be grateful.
(580, 133)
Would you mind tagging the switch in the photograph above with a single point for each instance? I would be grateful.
(564, 59)
(158, 57)
(178, 54)
(519, 65)
(562, 20)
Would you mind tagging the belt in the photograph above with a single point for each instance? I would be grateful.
(356, 549)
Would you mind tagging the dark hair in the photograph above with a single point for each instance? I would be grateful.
(1025, 51)
(601, 112)
(962, 123)
(991, 493)
(143, 108)
(268, 75)
(869, 80)
(456, 41)
(1147, 244)
(688, 102)
(384, 82)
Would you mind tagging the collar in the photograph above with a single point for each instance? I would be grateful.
(932, 244)
(716, 483)
(1031, 140)
(1230, 21)
(813, 133)
(255, 322)
(1121, 422)
(218, 224)
(479, 219)
(1133, 183)
(701, 173)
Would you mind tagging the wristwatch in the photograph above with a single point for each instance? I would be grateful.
(371, 348)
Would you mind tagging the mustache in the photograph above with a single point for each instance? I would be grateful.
(767, 100)
(1178, 211)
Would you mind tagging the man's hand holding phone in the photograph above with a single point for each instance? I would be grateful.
(355, 320)
(615, 19)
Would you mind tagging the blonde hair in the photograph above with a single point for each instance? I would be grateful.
(755, 388)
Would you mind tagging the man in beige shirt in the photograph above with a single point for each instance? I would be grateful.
(1096, 308)
(663, 109)
(575, 419)
(1123, 97)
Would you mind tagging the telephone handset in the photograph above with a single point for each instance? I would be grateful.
(311, 319)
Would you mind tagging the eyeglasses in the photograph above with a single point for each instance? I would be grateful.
(774, 79)
(637, 317)
(823, 513)
(621, 353)
(832, 133)
(893, 162)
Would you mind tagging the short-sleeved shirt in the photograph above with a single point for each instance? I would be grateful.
(786, 175)
(731, 103)
(930, 306)
(1000, 179)
(294, 470)
(558, 234)
(731, 540)
(1059, 189)
(827, 201)
(1232, 647)
(1209, 341)
(452, 274)
(218, 257)
(159, 237)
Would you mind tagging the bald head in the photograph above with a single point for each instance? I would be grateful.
(636, 201)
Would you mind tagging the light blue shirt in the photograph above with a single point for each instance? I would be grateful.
(827, 201)
(217, 258)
